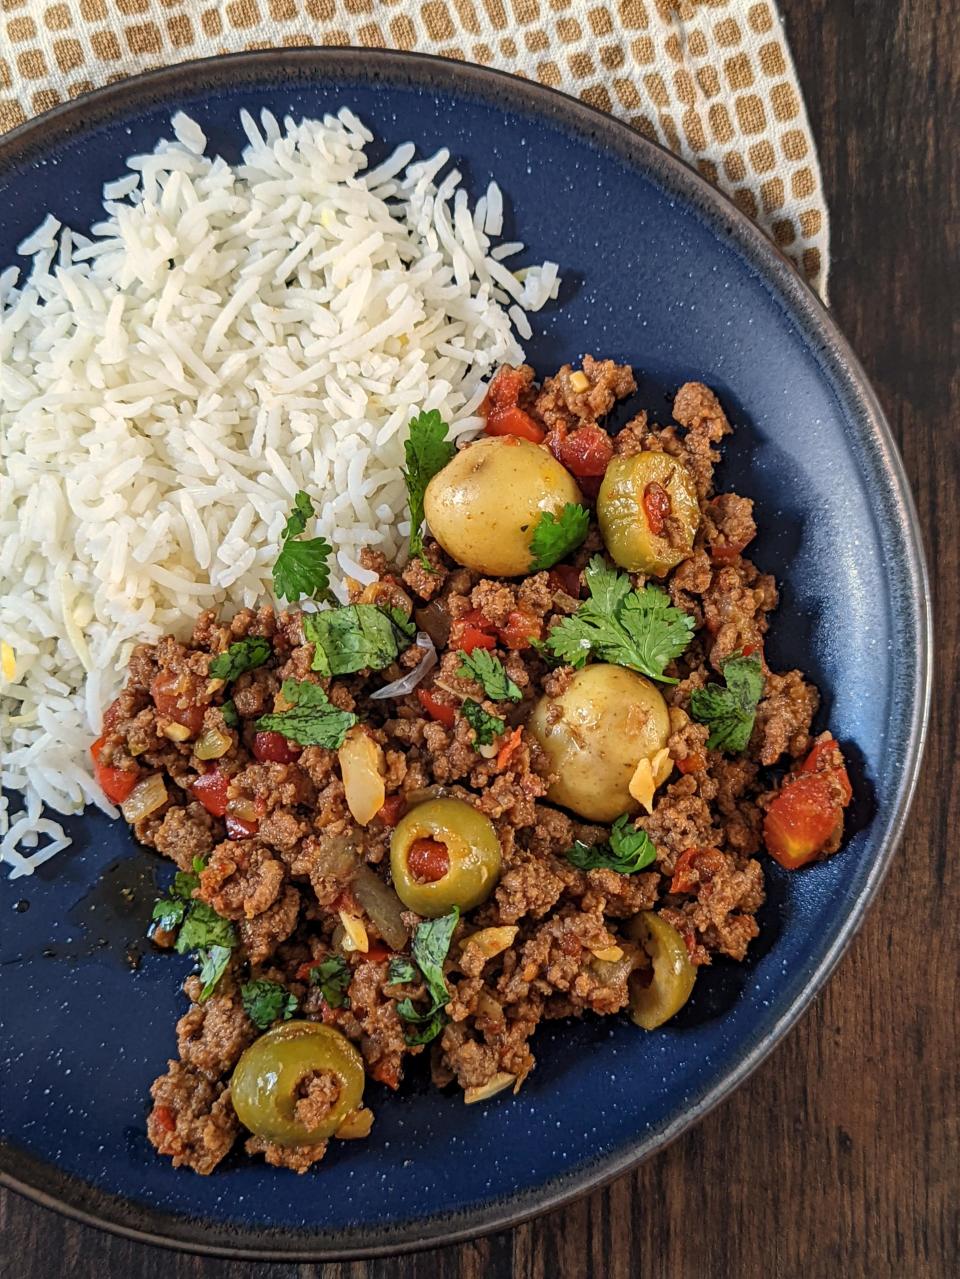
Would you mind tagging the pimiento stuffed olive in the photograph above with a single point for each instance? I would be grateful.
(658, 992)
(484, 505)
(271, 1082)
(595, 734)
(444, 853)
(648, 512)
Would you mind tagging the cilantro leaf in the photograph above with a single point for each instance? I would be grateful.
(333, 978)
(400, 971)
(489, 672)
(301, 568)
(405, 625)
(353, 638)
(229, 713)
(627, 851)
(213, 964)
(244, 655)
(203, 927)
(554, 538)
(313, 719)
(731, 711)
(266, 1001)
(641, 630)
(429, 948)
(168, 913)
(485, 725)
(428, 451)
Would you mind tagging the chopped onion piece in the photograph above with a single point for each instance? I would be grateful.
(145, 798)
(361, 766)
(407, 683)
(212, 744)
(490, 1089)
(382, 905)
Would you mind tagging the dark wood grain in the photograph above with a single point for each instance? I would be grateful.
(839, 1157)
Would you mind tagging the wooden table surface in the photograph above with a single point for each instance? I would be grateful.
(840, 1156)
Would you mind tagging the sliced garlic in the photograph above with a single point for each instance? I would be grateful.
(490, 1089)
(356, 934)
(175, 732)
(491, 941)
(608, 954)
(650, 773)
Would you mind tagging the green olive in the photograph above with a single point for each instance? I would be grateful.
(483, 506)
(673, 976)
(627, 504)
(594, 736)
(265, 1082)
(465, 876)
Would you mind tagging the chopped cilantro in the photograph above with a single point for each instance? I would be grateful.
(301, 568)
(401, 971)
(333, 978)
(490, 673)
(405, 625)
(229, 713)
(731, 711)
(485, 725)
(428, 451)
(213, 964)
(429, 948)
(244, 655)
(353, 638)
(554, 538)
(313, 719)
(203, 927)
(267, 1001)
(641, 630)
(627, 851)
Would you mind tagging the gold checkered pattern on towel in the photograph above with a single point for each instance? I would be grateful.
(712, 80)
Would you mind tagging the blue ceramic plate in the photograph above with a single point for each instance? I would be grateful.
(659, 271)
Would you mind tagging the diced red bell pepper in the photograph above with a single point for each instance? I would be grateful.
(585, 452)
(237, 828)
(521, 627)
(825, 757)
(695, 866)
(802, 820)
(116, 783)
(656, 505)
(111, 716)
(437, 710)
(472, 631)
(211, 790)
(274, 748)
(514, 421)
(166, 691)
(377, 952)
(394, 807)
(165, 1118)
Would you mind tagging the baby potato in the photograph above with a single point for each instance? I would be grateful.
(483, 506)
(595, 734)
(639, 494)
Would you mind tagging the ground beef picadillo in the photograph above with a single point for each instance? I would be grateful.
(267, 863)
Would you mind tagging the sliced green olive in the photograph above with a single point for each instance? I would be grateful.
(672, 977)
(641, 499)
(265, 1083)
(594, 736)
(460, 869)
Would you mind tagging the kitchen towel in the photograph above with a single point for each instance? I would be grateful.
(712, 80)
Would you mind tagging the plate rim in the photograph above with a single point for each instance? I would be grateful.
(92, 1206)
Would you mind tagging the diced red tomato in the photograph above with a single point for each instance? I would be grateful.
(165, 1118)
(377, 952)
(385, 1071)
(428, 860)
(274, 748)
(472, 631)
(695, 866)
(564, 577)
(521, 627)
(166, 691)
(111, 716)
(394, 807)
(514, 421)
(586, 451)
(116, 783)
(237, 828)
(692, 763)
(656, 505)
(505, 390)
(509, 748)
(211, 790)
(802, 820)
(827, 758)
(437, 710)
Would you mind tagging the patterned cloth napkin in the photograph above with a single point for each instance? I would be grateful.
(712, 80)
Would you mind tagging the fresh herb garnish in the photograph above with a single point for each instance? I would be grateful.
(731, 711)
(428, 451)
(229, 713)
(213, 964)
(266, 1001)
(429, 948)
(201, 929)
(486, 726)
(301, 568)
(245, 655)
(313, 719)
(400, 971)
(489, 672)
(353, 638)
(554, 538)
(168, 912)
(333, 978)
(638, 629)
(405, 625)
(628, 850)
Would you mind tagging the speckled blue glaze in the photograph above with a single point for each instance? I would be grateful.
(659, 271)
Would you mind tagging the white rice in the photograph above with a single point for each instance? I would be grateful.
(225, 336)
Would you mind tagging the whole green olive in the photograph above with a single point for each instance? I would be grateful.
(266, 1079)
(444, 853)
(483, 506)
(648, 512)
(594, 736)
(671, 981)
